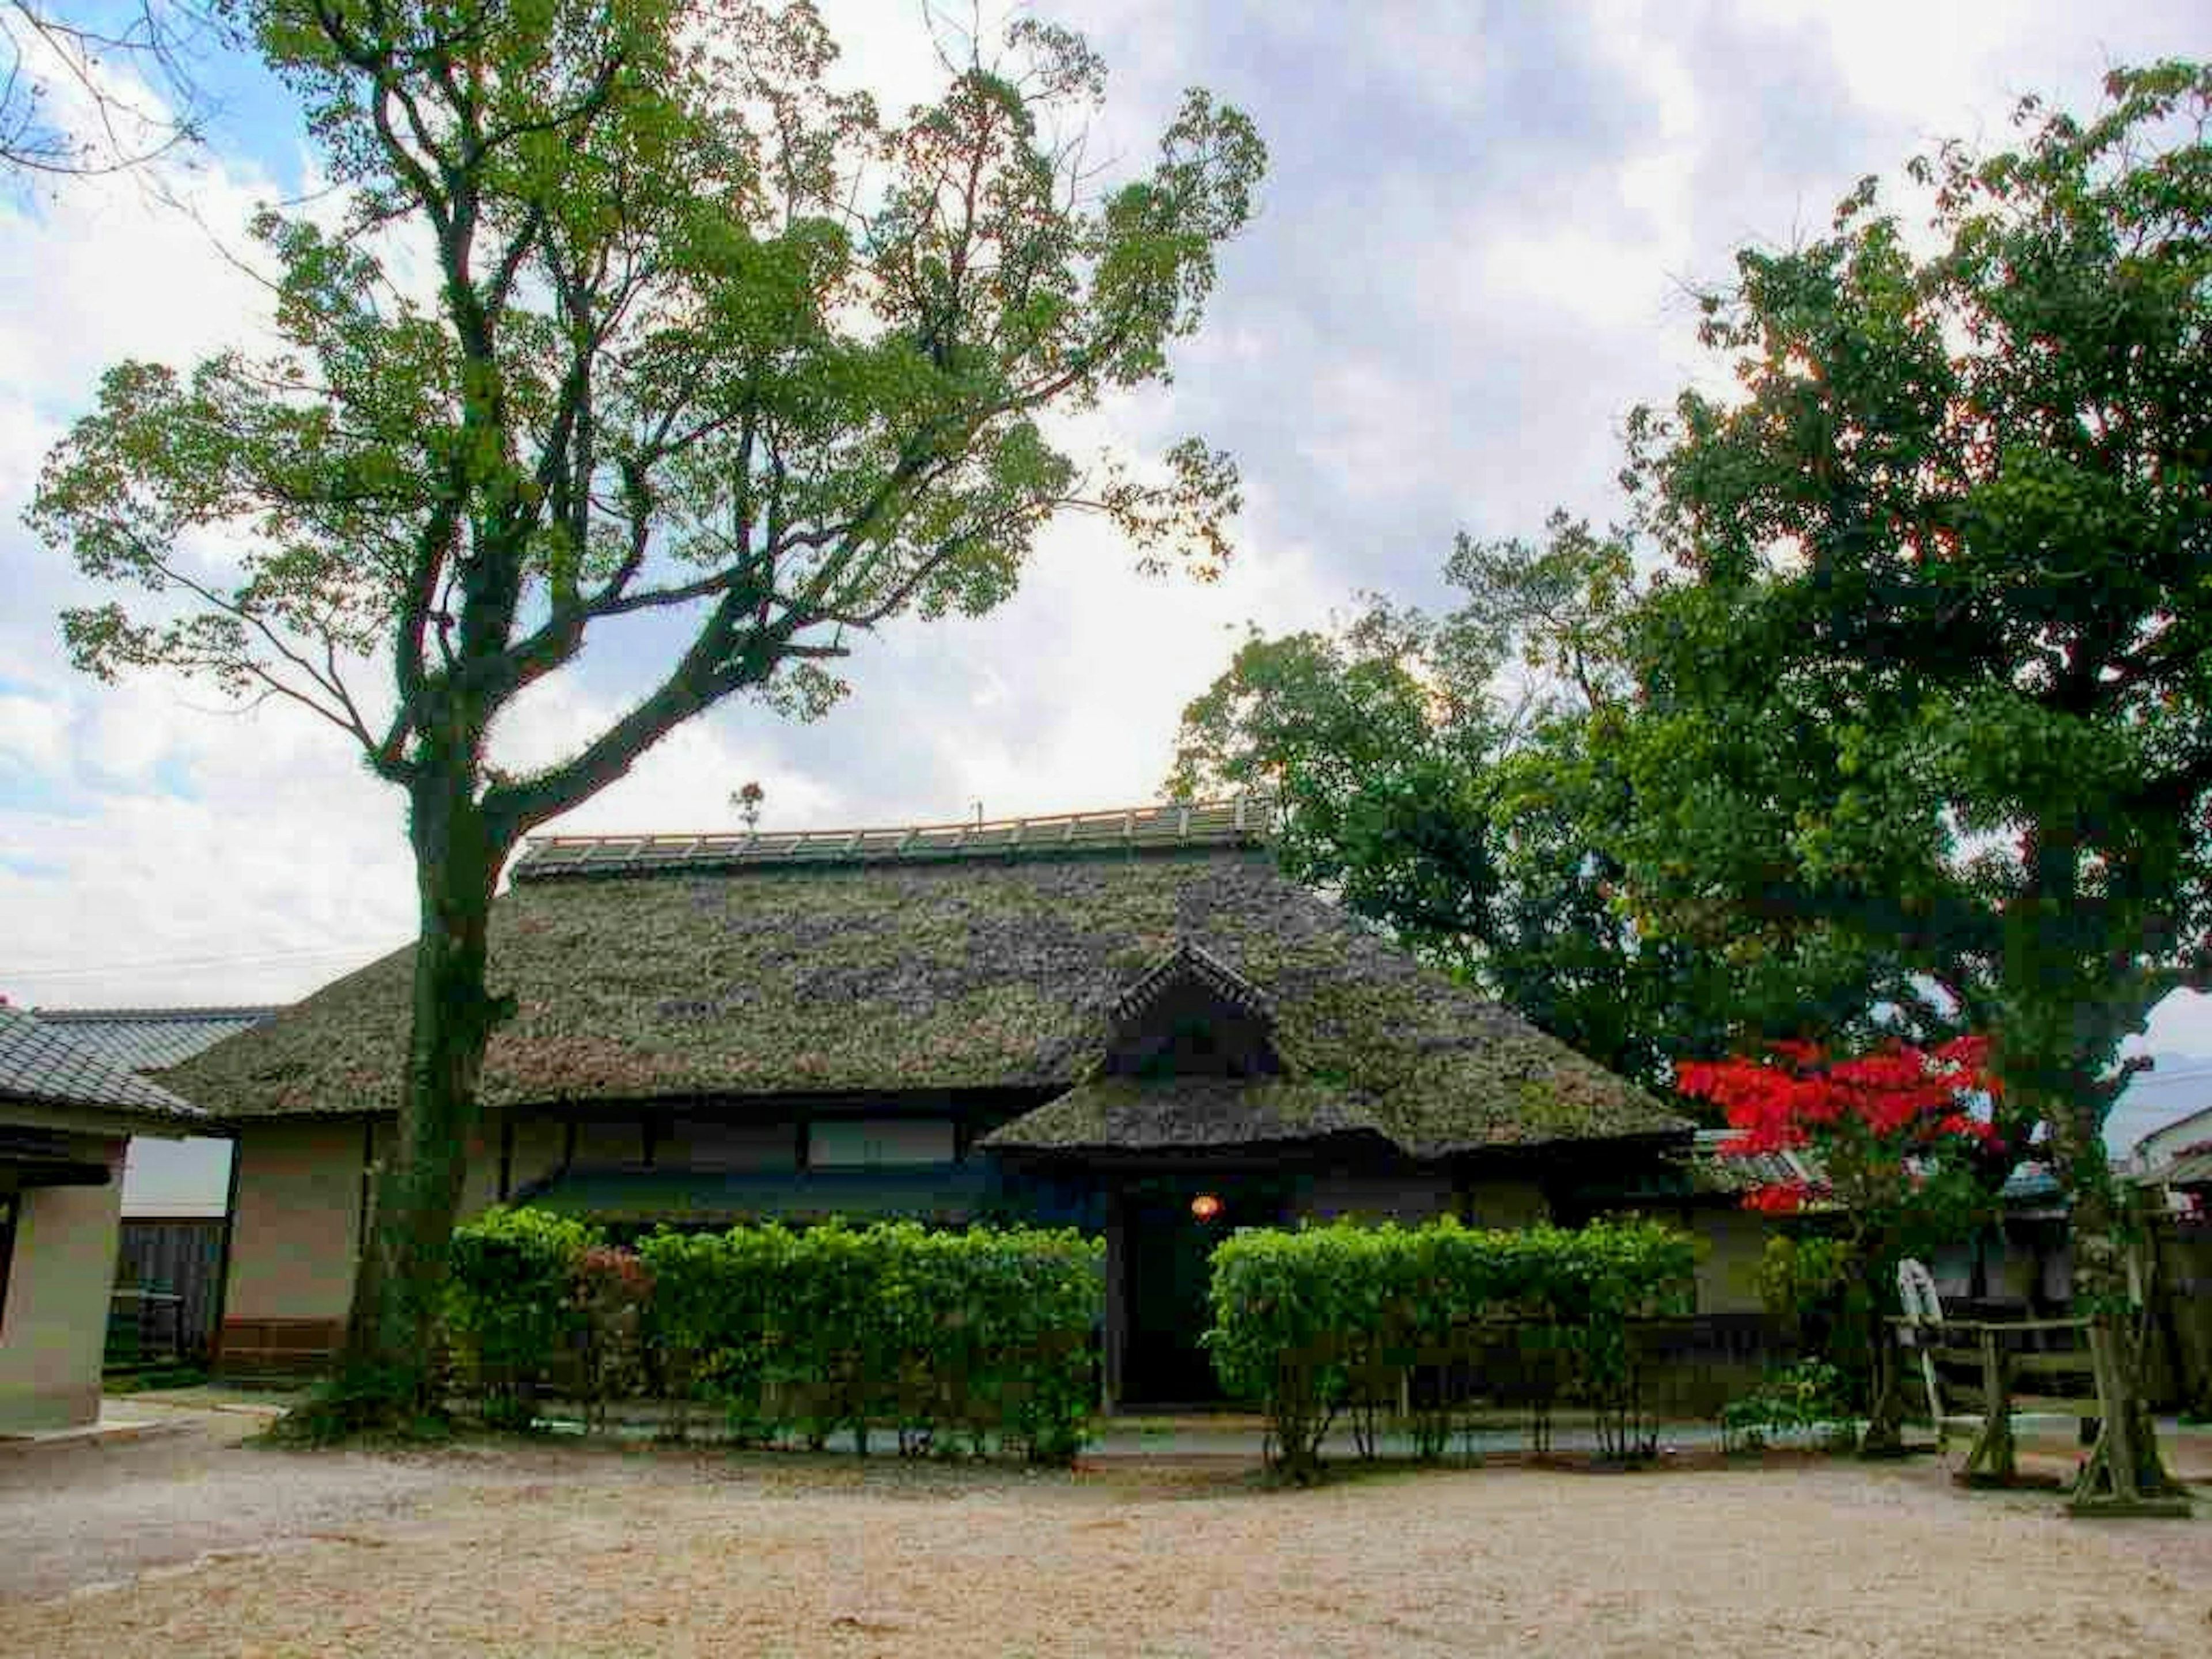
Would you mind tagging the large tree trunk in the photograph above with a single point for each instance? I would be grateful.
(386, 1375)
(2124, 1471)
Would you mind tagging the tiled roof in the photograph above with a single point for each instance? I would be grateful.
(148, 1039)
(1704, 1170)
(2191, 1167)
(2030, 1184)
(41, 1065)
(1714, 1169)
(1241, 822)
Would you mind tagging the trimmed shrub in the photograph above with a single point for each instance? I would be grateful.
(1287, 1332)
(952, 1341)
(1620, 1272)
(510, 1312)
(609, 1290)
(1308, 1324)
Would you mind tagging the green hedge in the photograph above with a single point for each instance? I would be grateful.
(1312, 1324)
(511, 1306)
(977, 1340)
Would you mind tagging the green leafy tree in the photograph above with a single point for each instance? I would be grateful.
(630, 312)
(1453, 778)
(1940, 674)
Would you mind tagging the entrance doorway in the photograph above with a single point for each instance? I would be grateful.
(1169, 1229)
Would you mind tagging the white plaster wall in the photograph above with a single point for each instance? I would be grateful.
(55, 1324)
(299, 1219)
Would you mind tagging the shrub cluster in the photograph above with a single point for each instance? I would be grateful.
(1804, 1400)
(511, 1307)
(975, 1341)
(1313, 1324)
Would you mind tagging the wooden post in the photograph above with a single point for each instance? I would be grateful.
(2109, 1483)
(1117, 1313)
(1993, 1461)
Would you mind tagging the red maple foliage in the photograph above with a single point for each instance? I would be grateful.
(1892, 1110)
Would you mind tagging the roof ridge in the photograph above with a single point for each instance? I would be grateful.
(210, 1010)
(1230, 821)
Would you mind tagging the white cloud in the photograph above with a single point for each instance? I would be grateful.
(33, 733)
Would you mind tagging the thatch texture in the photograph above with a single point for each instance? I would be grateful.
(1123, 1114)
(874, 977)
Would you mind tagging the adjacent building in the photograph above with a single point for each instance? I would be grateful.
(176, 1193)
(66, 1115)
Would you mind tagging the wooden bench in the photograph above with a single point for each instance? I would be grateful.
(2026, 1366)
(2003, 1356)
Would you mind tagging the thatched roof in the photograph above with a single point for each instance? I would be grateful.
(1141, 1115)
(870, 973)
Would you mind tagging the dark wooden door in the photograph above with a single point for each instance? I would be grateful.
(1167, 1268)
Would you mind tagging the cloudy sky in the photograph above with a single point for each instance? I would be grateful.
(1470, 261)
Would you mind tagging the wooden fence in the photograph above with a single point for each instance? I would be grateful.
(167, 1275)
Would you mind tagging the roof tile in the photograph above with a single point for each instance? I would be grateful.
(149, 1039)
(42, 1065)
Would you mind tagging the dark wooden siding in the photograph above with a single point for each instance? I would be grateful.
(180, 1258)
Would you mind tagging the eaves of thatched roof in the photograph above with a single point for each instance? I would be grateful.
(1137, 1115)
(726, 978)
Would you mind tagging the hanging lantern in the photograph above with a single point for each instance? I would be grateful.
(1206, 1206)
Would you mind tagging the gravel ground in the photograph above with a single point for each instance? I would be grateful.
(570, 1550)
(78, 1516)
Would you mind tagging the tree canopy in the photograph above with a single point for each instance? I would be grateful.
(1939, 672)
(1453, 778)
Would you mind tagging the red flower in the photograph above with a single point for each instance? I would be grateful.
(1780, 1198)
(1891, 1106)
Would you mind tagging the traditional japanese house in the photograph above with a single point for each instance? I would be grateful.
(1127, 1021)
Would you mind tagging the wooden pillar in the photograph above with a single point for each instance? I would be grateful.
(1117, 1309)
(368, 1202)
(223, 1262)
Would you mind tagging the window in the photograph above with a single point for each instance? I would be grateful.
(876, 1142)
(699, 1143)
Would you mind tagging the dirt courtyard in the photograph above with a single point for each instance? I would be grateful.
(197, 1545)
